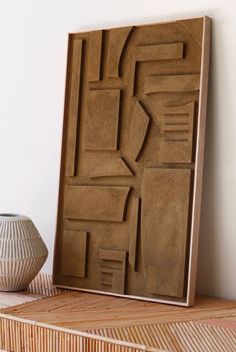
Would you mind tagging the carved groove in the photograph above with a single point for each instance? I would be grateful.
(134, 232)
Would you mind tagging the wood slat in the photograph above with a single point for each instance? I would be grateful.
(52, 340)
(80, 321)
(81, 310)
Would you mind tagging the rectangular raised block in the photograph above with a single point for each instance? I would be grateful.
(73, 106)
(170, 51)
(98, 203)
(171, 83)
(101, 129)
(94, 58)
(164, 229)
(74, 250)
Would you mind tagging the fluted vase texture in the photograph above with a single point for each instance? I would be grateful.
(22, 252)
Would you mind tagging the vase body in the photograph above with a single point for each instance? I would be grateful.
(22, 252)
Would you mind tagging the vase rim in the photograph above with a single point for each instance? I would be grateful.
(13, 216)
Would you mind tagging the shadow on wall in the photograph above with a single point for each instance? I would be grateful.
(207, 259)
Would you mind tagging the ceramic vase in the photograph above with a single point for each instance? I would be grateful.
(22, 252)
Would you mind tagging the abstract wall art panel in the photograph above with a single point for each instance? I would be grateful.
(132, 160)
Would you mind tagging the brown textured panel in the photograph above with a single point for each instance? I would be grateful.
(74, 77)
(142, 105)
(94, 58)
(98, 203)
(174, 83)
(112, 268)
(102, 120)
(177, 139)
(113, 166)
(139, 127)
(164, 229)
(118, 37)
(134, 232)
(74, 253)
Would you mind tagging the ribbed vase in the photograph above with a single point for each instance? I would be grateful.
(22, 252)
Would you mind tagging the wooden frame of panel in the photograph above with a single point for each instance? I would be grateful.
(188, 300)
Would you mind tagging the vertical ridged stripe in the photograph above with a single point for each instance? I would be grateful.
(25, 337)
(175, 337)
(22, 252)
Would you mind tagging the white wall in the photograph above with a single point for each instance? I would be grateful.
(33, 42)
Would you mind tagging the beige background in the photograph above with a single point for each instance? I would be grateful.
(33, 37)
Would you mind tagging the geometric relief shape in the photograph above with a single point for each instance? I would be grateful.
(102, 118)
(164, 229)
(112, 269)
(94, 57)
(110, 167)
(74, 250)
(73, 105)
(117, 39)
(134, 233)
(194, 28)
(97, 203)
(138, 130)
(172, 83)
(177, 134)
(157, 52)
